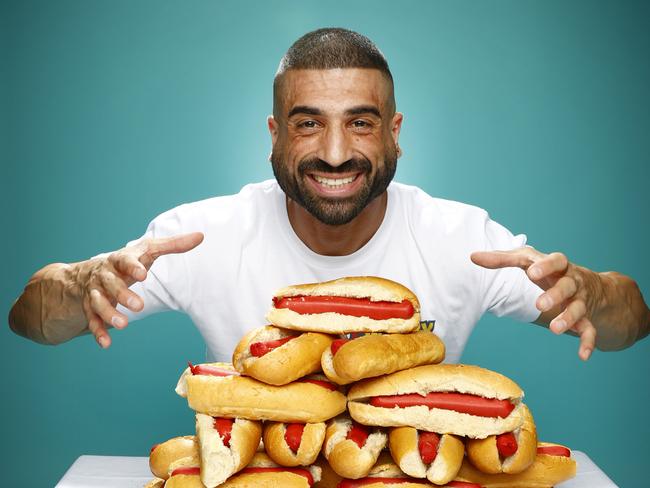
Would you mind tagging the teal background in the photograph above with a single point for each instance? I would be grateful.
(113, 112)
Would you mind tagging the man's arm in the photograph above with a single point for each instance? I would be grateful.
(606, 310)
(63, 301)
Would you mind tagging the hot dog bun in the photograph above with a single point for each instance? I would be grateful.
(220, 461)
(403, 444)
(279, 451)
(378, 354)
(328, 478)
(344, 455)
(484, 455)
(165, 453)
(155, 483)
(243, 397)
(294, 359)
(546, 471)
(363, 287)
(385, 473)
(464, 379)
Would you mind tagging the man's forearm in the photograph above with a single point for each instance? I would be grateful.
(50, 310)
(621, 317)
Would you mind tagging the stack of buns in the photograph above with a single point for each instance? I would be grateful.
(342, 378)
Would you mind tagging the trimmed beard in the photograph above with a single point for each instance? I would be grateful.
(334, 211)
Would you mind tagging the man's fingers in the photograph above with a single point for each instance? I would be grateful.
(521, 257)
(570, 317)
(96, 326)
(100, 305)
(563, 290)
(174, 244)
(128, 264)
(552, 264)
(117, 289)
(587, 333)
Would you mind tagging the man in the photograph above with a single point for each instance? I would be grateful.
(332, 212)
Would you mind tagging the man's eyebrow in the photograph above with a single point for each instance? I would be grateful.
(363, 109)
(304, 109)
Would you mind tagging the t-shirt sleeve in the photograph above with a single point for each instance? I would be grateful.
(508, 291)
(166, 286)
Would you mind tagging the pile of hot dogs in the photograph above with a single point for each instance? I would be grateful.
(373, 409)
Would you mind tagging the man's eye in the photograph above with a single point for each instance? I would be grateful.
(308, 124)
(361, 124)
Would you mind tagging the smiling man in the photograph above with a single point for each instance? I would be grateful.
(333, 211)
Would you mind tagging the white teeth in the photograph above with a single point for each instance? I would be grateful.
(334, 182)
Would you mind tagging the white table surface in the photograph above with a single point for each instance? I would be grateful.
(133, 472)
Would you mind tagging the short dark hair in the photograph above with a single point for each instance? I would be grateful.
(331, 48)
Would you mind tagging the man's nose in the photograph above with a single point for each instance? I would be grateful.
(336, 147)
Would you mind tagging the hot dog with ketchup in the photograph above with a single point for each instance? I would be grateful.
(447, 398)
(420, 454)
(353, 304)
(218, 390)
(384, 473)
(352, 449)
(511, 452)
(164, 454)
(553, 465)
(293, 444)
(349, 360)
(225, 446)
(279, 356)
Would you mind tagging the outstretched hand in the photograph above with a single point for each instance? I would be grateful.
(106, 282)
(570, 291)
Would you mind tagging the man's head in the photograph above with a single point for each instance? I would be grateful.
(334, 125)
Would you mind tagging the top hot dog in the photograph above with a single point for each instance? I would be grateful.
(355, 304)
(445, 398)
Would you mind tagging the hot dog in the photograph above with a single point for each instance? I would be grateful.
(511, 452)
(355, 304)
(225, 445)
(328, 478)
(352, 449)
(261, 472)
(551, 467)
(447, 398)
(164, 454)
(385, 473)
(218, 390)
(426, 454)
(295, 444)
(349, 360)
(279, 356)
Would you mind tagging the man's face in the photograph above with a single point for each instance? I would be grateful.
(334, 140)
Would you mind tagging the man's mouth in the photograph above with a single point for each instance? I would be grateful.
(335, 186)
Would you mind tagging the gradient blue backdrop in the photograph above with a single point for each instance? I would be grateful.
(113, 112)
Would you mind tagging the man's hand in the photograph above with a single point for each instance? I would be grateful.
(62, 301)
(574, 297)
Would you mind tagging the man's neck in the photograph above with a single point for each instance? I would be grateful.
(337, 240)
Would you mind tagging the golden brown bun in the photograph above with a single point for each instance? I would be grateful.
(244, 397)
(374, 288)
(155, 483)
(218, 461)
(484, 455)
(184, 481)
(378, 354)
(277, 448)
(344, 455)
(403, 443)
(165, 453)
(437, 377)
(386, 468)
(545, 472)
(328, 478)
(292, 360)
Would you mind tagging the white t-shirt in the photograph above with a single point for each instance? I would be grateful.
(250, 250)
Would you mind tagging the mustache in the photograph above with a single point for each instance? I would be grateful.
(351, 165)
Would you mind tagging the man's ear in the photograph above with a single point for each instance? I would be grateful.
(395, 128)
(273, 128)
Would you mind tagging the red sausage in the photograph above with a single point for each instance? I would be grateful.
(358, 433)
(554, 451)
(459, 402)
(188, 471)
(259, 349)
(224, 427)
(506, 444)
(323, 383)
(293, 435)
(463, 484)
(210, 370)
(428, 446)
(356, 307)
(301, 472)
